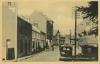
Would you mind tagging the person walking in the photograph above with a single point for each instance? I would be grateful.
(52, 47)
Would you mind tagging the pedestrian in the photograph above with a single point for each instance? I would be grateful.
(52, 47)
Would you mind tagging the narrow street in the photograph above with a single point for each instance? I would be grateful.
(47, 55)
(50, 31)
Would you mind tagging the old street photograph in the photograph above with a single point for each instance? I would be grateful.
(49, 30)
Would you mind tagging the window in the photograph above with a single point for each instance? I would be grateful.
(8, 41)
(9, 3)
(36, 24)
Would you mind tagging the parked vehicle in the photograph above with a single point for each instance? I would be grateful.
(90, 51)
(65, 52)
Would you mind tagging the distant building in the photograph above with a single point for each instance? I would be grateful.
(62, 40)
(43, 23)
(67, 39)
(56, 38)
(49, 30)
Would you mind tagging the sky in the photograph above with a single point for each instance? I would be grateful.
(60, 11)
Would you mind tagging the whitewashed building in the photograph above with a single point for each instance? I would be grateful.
(9, 32)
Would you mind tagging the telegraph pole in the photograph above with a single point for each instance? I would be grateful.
(75, 33)
(75, 30)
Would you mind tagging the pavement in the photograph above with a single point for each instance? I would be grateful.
(43, 56)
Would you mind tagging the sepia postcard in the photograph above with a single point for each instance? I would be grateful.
(50, 31)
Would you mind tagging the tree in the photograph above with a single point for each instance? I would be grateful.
(91, 11)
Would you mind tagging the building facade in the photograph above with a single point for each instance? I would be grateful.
(43, 40)
(9, 32)
(17, 34)
(43, 23)
(38, 40)
(24, 37)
